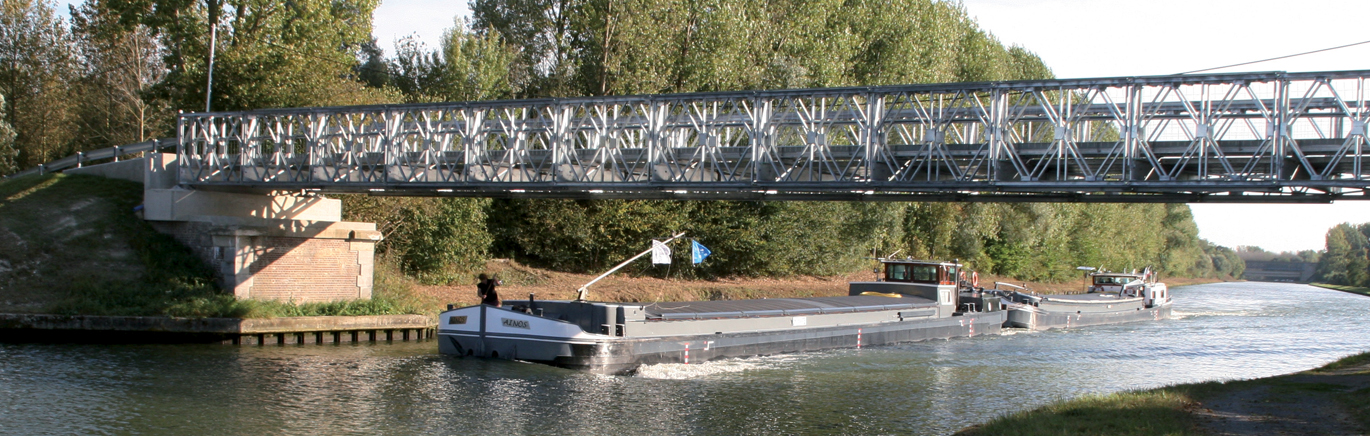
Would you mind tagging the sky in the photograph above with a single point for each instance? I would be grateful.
(1109, 38)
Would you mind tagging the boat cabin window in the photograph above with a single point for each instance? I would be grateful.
(897, 272)
(1112, 280)
(903, 272)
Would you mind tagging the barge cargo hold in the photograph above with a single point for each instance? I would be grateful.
(616, 338)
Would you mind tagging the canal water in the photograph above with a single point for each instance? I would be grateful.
(1220, 332)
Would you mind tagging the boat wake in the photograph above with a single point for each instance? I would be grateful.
(684, 371)
(1183, 315)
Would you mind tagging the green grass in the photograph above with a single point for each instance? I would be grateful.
(1344, 288)
(1346, 362)
(1153, 412)
(72, 245)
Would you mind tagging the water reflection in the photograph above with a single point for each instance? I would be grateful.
(1221, 331)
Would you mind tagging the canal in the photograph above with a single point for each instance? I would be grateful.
(1220, 332)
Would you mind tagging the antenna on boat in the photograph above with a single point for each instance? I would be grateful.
(584, 292)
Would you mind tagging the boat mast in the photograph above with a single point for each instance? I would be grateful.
(583, 292)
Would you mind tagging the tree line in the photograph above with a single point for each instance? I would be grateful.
(1345, 261)
(119, 70)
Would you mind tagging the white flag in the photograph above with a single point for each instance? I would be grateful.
(661, 254)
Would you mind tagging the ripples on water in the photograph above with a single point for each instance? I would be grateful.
(1220, 332)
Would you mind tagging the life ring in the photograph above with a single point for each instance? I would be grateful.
(974, 279)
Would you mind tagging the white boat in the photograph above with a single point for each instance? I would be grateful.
(1111, 298)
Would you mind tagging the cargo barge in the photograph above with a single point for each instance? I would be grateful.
(1111, 298)
(914, 301)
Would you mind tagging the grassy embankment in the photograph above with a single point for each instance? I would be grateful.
(1344, 288)
(1333, 399)
(72, 245)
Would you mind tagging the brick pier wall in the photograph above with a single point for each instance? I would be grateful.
(297, 261)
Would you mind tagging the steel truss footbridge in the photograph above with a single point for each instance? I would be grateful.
(1245, 137)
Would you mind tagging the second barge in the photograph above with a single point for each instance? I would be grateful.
(1112, 298)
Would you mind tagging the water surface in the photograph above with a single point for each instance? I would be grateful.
(1221, 331)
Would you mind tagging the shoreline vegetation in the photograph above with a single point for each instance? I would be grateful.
(1332, 399)
(72, 245)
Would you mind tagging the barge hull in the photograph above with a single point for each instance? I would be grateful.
(1036, 319)
(620, 355)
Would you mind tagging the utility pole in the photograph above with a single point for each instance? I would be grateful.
(213, 44)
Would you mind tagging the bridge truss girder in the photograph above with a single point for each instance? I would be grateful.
(1250, 137)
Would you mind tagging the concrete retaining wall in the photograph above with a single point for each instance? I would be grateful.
(289, 330)
(286, 260)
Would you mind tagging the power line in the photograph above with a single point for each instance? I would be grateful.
(1277, 58)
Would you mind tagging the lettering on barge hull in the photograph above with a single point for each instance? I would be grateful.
(514, 323)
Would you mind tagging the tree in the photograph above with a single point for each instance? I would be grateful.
(1345, 262)
(269, 53)
(467, 67)
(541, 30)
(8, 153)
(436, 240)
(37, 67)
(122, 62)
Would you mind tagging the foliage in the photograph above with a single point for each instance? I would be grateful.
(8, 152)
(268, 53)
(1046, 242)
(1226, 261)
(583, 236)
(602, 47)
(37, 70)
(467, 67)
(122, 62)
(1345, 261)
(123, 67)
(436, 240)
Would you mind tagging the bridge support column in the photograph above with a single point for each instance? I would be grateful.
(277, 247)
(296, 261)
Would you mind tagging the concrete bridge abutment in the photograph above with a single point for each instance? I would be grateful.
(282, 246)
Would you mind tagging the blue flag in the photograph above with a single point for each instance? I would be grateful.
(698, 252)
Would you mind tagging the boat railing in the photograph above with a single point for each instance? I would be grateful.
(1011, 286)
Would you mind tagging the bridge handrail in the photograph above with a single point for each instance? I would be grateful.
(80, 158)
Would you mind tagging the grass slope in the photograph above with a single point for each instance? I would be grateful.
(72, 245)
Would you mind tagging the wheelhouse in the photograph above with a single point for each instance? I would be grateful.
(920, 271)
